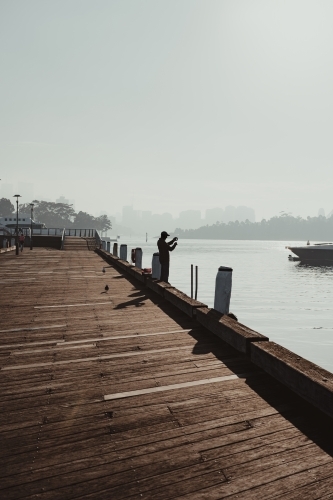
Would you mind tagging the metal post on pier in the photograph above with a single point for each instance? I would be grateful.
(156, 266)
(115, 249)
(138, 257)
(31, 227)
(123, 252)
(108, 246)
(223, 287)
(17, 196)
(196, 283)
(191, 281)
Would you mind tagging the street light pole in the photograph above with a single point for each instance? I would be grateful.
(17, 196)
(32, 213)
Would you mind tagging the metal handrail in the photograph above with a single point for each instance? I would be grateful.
(98, 239)
(55, 231)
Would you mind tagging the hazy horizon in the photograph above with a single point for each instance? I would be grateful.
(169, 105)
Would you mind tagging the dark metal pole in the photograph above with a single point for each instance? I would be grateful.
(17, 240)
(32, 213)
(17, 196)
(196, 283)
(191, 281)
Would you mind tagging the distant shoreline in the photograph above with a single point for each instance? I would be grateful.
(282, 228)
(247, 239)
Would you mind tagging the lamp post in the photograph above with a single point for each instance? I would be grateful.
(17, 196)
(32, 214)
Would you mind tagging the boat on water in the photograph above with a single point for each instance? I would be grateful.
(318, 252)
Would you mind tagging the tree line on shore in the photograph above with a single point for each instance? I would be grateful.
(283, 227)
(57, 215)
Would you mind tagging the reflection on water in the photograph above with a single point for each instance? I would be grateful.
(317, 268)
(291, 302)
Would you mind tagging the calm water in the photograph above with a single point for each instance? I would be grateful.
(289, 302)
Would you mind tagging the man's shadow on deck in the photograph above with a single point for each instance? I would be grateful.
(138, 301)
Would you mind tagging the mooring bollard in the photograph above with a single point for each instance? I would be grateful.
(196, 282)
(123, 252)
(138, 257)
(115, 249)
(223, 286)
(108, 245)
(104, 245)
(156, 266)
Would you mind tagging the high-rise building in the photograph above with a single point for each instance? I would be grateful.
(189, 219)
(244, 213)
(66, 201)
(214, 215)
(130, 217)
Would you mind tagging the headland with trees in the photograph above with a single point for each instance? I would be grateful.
(58, 215)
(284, 227)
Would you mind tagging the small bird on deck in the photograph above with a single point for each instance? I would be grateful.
(106, 288)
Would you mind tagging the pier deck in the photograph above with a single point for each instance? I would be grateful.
(112, 395)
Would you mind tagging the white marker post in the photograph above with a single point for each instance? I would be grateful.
(223, 287)
(156, 266)
(123, 252)
(138, 258)
(115, 249)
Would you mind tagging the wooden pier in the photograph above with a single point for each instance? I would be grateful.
(118, 394)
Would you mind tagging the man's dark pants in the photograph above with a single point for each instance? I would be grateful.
(165, 271)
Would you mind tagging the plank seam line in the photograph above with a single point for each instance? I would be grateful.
(101, 339)
(140, 392)
(64, 343)
(95, 358)
(30, 329)
(74, 305)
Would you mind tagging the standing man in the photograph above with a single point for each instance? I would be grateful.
(21, 240)
(164, 248)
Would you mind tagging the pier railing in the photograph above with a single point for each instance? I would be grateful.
(56, 231)
(98, 239)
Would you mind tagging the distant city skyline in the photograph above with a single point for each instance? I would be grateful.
(146, 220)
(207, 215)
(29, 192)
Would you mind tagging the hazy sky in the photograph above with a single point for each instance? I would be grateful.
(169, 104)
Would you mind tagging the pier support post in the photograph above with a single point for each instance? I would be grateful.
(123, 252)
(115, 249)
(138, 258)
(156, 266)
(104, 245)
(223, 286)
(108, 245)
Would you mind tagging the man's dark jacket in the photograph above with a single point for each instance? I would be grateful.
(164, 248)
